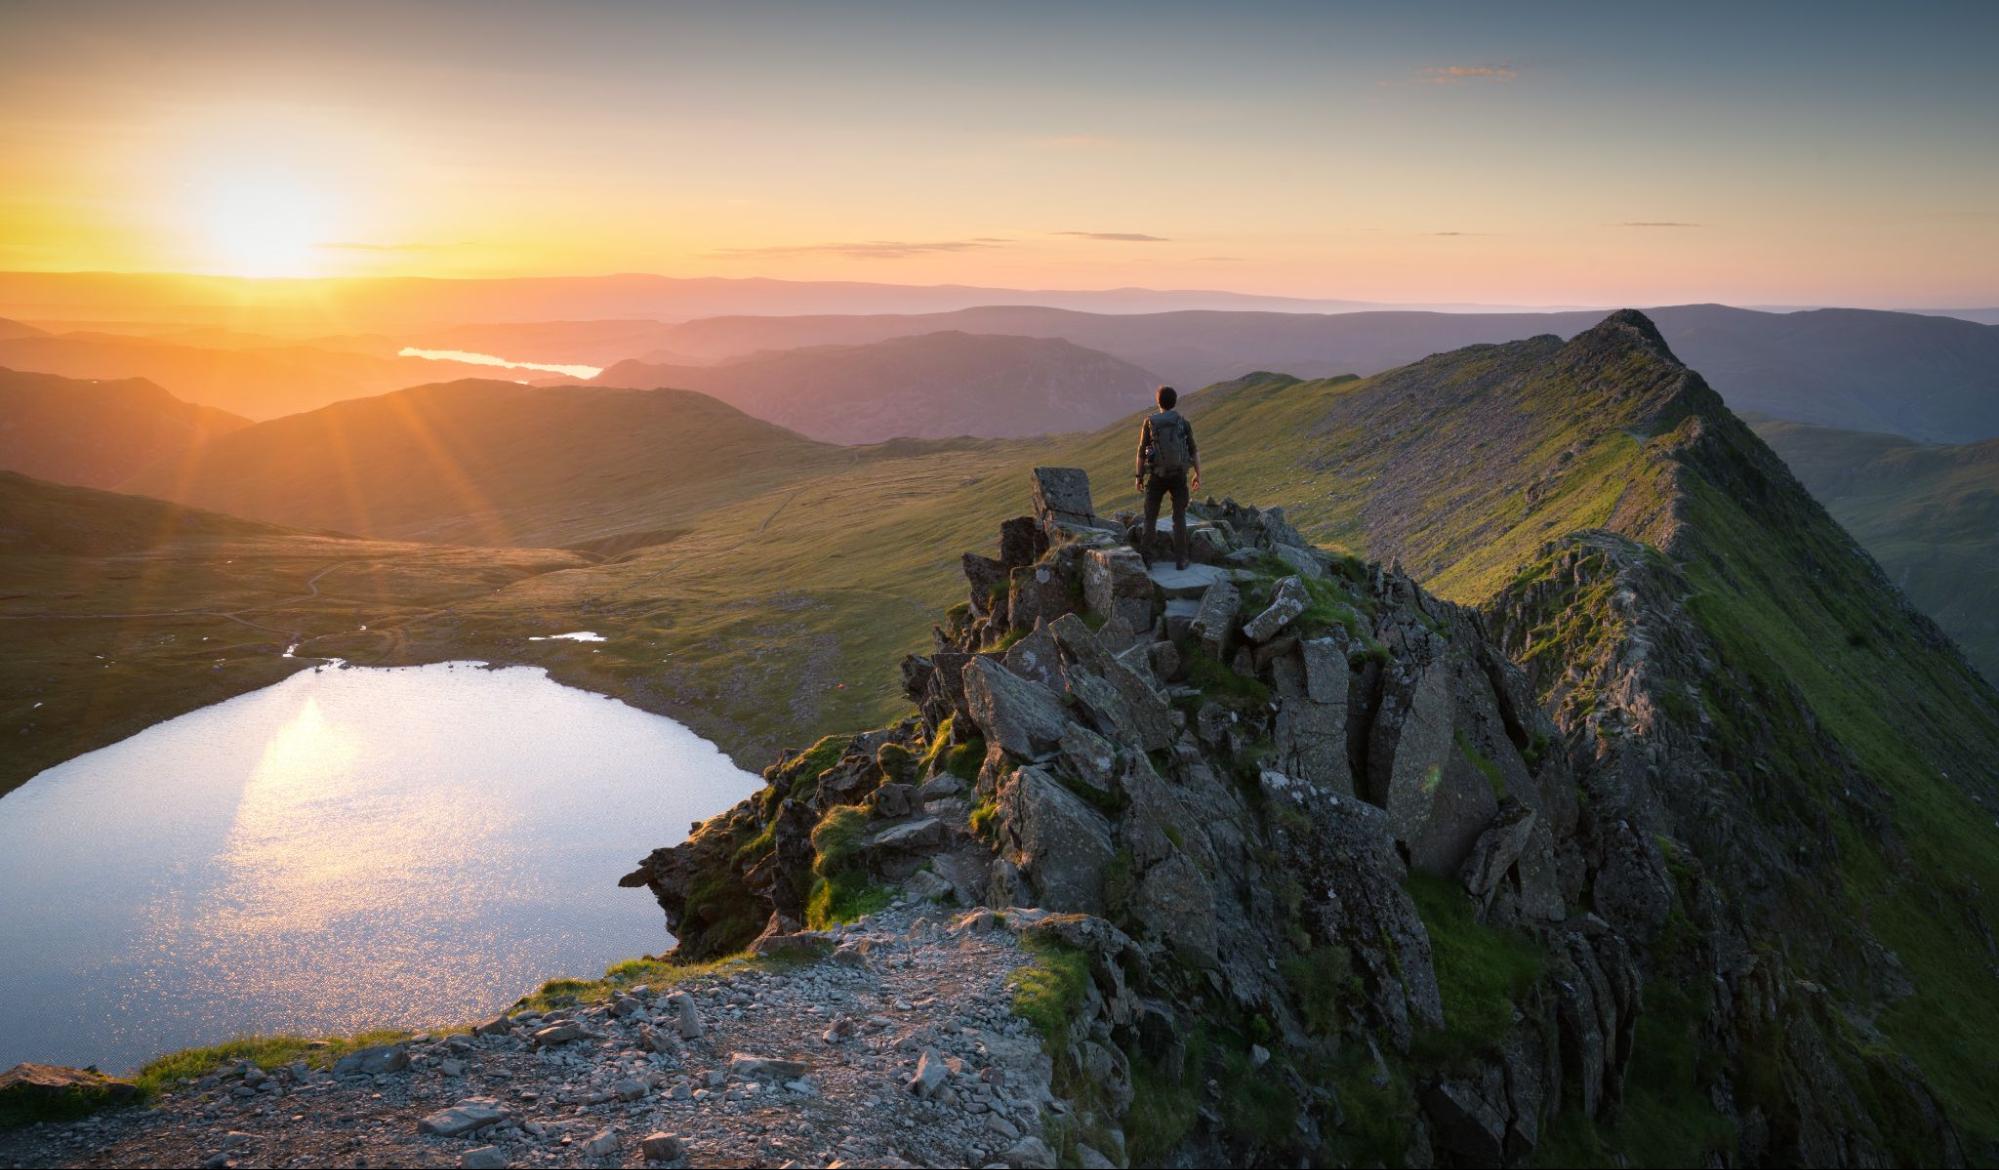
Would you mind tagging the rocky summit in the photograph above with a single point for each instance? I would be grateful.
(1358, 876)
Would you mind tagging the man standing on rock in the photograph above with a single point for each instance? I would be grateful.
(1166, 458)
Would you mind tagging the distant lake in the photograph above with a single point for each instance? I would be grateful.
(347, 849)
(487, 359)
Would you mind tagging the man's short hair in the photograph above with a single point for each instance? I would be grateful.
(1167, 396)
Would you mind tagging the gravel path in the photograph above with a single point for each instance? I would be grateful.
(901, 1047)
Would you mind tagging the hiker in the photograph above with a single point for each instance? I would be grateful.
(1166, 459)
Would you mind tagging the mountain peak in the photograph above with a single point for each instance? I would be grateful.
(1626, 328)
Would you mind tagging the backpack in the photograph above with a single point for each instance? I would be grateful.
(1172, 443)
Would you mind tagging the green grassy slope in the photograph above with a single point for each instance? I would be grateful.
(1929, 513)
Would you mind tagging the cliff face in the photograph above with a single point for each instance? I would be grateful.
(1352, 886)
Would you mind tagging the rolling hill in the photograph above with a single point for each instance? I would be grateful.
(496, 463)
(1931, 378)
(932, 385)
(1928, 512)
(98, 434)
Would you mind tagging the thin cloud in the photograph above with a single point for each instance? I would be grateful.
(1221, 259)
(1459, 233)
(866, 249)
(1120, 237)
(1657, 223)
(1455, 74)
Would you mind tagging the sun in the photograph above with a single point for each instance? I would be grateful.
(264, 225)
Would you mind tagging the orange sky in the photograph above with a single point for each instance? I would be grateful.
(1433, 155)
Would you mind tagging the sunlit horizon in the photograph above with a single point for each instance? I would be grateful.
(1536, 156)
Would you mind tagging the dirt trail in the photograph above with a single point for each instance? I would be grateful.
(903, 988)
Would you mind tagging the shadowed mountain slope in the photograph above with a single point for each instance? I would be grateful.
(1928, 512)
(98, 433)
(932, 385)
(485, 462)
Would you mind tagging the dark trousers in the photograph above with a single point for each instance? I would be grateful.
(1156, 486)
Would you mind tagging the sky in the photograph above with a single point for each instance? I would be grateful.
(1530, 154)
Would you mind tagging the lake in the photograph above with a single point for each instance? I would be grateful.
(347, 849)
(486, 359)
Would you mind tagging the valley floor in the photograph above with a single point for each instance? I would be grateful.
(900, 991)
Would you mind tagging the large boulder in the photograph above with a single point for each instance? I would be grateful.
(1310, 734)
(1438, 802)
(1115, 584)
(1214, 623)
(1512, 867)
(1062, 500)
(1021, 542)
(1123, 702)
(1035, 658)
(1023, 717)
(1302, 561)
(1090, 759)
(1046, 589)
(989, 582)
(1284, 608)
(1060, 845)
(1311, 743)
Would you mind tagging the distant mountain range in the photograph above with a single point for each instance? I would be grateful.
(932, 385)
(242, 376)
(1931, 378)
(99, 434)
(402, 304)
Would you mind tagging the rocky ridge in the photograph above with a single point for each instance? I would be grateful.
(1223, 781)
(1345, 889)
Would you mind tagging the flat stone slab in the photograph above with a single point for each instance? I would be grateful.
(1165, 524)
(473, 1113)
(1190, 582)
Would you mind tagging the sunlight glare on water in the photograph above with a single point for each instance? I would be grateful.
(347, 849)
(486, 359)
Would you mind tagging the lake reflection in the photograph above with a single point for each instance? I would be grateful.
(347, 849)
(486, 359)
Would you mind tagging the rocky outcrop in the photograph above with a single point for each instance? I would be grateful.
(1332, 868)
